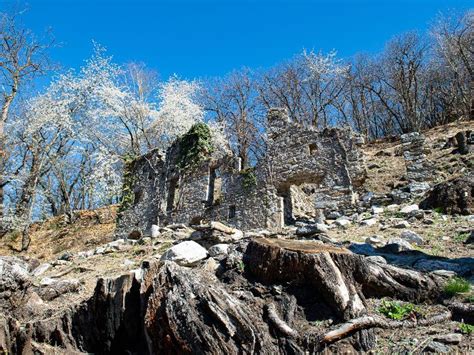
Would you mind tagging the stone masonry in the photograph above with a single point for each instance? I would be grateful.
(418, 169)
(304, 174)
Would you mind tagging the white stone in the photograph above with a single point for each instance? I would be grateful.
(218, 249)
(85, 254)
(393, 208)
(185, 253)
(99, 250)
(375, 240)
(342, 222)
(409, 208)
(369, 222)
(41, 269)
(155, 231)
(377, 210)
(411, 237)
(46, 281)
(128, 262)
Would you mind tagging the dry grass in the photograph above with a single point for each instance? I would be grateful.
(53, 237)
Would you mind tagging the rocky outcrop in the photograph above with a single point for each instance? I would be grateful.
(455, 196)
(260, 297)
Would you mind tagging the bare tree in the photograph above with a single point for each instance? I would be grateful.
(233, 100)
(454, 38)
(22, 57)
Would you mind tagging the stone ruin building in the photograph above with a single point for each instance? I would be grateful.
(304, 174)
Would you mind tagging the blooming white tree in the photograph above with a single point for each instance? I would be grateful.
(178, 110)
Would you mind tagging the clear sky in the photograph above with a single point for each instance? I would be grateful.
(200, 38)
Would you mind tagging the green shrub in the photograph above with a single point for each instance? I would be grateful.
(396, 310)
(466, 328)
(456, 285)
(249, 179)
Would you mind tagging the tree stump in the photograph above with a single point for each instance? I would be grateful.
(341, 278)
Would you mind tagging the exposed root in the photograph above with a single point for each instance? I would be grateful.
(279, 323)
(376, 321)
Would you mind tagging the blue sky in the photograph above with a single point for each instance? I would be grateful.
(210, 38)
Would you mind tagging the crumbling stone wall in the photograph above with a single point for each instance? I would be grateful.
(140, 211)
(304, 173)
(418, 169)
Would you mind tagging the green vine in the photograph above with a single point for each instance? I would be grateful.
(249, 179)
(195, 146)
(129, 181)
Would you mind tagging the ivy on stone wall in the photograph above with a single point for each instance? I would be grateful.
(195, 146)
(249, 179)
(129, 180)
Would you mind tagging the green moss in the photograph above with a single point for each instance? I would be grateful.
(249, 179)
(195, 147)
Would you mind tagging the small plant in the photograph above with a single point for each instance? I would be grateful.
(461, 237)
(241, 266)
(249, 179)
(466, 328)
(470, 299)
(396, 310)
(456, 285)
(439, 210)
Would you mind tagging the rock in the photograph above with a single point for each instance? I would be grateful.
(396, 245)
(369, 222)
(333, 215)
(375, 240)
(377, 259)
(409, 208)
(210, 265)
(128, 262)
(393, 207)
(185, 253)
(377, 210)
(436, 347)
(452, 197)
(310, 229)
(401, 225)
(218, 249)
(451, 338)
(470, 239)
(135, 235)
(99, 251)
(56, 288)
(14, 282)
(215, 233)
(428, 221)
(67, 256)
(418, 188)
(85, 254)
(155, 231)
(343, 222)
(40, 270)
(411, 237)
(418, 214)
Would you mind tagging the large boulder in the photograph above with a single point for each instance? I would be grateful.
(186, 253)
(452, 197)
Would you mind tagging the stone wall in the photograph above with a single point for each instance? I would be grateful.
(304, 173)
(418, 169)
